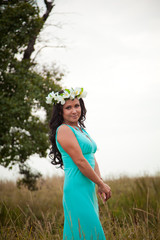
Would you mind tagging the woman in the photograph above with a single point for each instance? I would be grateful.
(73, 148)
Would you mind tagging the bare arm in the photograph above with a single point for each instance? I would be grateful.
(96, 168)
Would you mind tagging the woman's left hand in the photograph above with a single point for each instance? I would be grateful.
(102, 194)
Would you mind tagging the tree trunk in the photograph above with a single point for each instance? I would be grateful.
(30, 48)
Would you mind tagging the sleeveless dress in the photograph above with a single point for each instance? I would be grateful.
(80, 204)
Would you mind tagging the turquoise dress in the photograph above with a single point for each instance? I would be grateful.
(80, 204)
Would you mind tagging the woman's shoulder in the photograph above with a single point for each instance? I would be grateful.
(64, 129)
(65, 134)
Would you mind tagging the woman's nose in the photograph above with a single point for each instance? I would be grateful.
(73, 110)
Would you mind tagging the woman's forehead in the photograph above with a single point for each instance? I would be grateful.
(71, 102)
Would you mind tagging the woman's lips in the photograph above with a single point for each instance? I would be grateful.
(75, 116)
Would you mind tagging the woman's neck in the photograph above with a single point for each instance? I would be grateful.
(75, 124)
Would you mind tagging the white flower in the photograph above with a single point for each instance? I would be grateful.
(77, 91)
(66, 94)
(83, 94)
(62, 101)
(56, 97)
(72, 94)
(52, 94)
(48, 100)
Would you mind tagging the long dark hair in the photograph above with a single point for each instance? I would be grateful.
(55, 122)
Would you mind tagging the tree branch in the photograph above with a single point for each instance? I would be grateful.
(46, 47)
(29, 50)
(49, 6)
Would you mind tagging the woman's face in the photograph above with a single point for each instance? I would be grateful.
(71, 111)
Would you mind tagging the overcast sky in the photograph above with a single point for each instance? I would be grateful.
(113, 51)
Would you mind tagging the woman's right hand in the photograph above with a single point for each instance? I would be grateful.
(104, 191)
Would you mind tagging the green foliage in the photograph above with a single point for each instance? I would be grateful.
(23, 134)
(19, 22)
(29, 180)
(22, 89)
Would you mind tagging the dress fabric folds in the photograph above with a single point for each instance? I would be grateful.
(80, 204)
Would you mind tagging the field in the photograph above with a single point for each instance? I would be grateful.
(132, 213)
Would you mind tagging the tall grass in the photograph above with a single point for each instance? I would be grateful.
(132, 213)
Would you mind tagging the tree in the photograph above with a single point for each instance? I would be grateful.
(22, 88)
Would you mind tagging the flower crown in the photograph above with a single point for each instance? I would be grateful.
(61, 97)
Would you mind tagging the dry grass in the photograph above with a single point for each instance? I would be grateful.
(132, 213)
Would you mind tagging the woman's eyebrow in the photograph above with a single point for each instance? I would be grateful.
(68, 106)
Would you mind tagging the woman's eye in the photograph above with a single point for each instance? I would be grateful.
(77, 105)
(68, 107)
